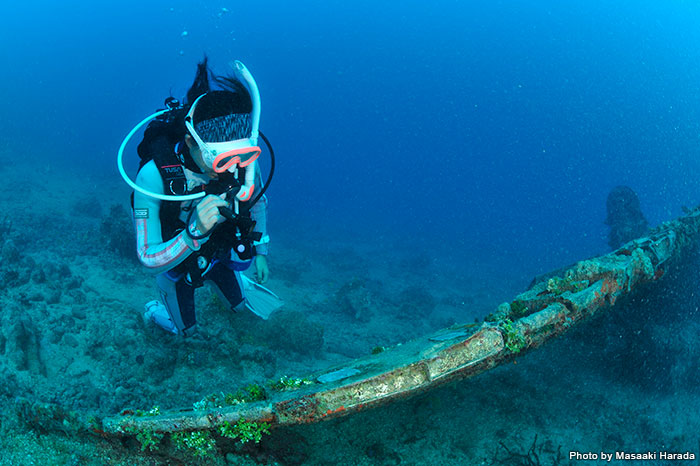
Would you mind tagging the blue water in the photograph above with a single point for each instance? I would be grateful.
(485, 134)
(476, 126)
(472, 124)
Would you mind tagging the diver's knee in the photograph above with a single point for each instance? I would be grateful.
(157, 313)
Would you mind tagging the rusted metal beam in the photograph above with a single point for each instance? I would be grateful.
(544, 311)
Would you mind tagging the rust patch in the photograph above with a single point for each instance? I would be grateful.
(331, 412)
(299, 410)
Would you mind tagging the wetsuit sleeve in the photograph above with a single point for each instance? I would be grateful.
(157, 255)
(259, 214)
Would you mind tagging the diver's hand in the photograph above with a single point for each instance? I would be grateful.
(262, 272)
(208, 213)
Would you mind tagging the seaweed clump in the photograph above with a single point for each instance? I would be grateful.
(514, 339)
(245, 431)
(518, 309)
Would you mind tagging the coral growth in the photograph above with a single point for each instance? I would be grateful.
(354, 300)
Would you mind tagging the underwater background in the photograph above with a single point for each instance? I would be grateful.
(436, 156)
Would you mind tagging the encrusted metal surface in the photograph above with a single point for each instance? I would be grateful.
(544, 311)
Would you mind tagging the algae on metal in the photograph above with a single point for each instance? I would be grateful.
(544, 311)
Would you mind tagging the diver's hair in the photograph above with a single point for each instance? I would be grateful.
(221, 103)
(231, 84)
(201, 81)
(239, 102)
(223, 114)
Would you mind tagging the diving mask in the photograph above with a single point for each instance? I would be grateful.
(218, 152)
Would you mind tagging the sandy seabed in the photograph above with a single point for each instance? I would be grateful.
(71, 333)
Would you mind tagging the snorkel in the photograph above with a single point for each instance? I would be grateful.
(244, 75)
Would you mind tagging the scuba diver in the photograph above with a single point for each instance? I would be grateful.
(199, 207)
